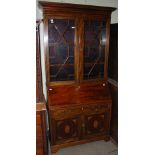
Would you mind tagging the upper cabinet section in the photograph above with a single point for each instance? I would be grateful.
(53, 8)
(61, 34)
(94, 48)
(76, 40)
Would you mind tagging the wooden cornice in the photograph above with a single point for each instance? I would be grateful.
(54, 7)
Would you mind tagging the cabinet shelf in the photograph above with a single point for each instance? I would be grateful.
(92, 63)
(87, 63)
(59, 65)
(57, 43)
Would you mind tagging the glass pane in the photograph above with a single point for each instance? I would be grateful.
(94, 49)
(61, 49)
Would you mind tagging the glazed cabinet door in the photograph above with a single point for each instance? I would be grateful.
(61, 34)
(76, 49)
(94, 48)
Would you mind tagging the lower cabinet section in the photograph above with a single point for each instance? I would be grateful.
(80, 125)
(67, 130)
(95, 124)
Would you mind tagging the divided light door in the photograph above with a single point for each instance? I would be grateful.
(76, 49)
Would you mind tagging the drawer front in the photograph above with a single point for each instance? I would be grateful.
(63, 113)
(78, 110)
(95, 109)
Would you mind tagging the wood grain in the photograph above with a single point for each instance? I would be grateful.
(74, 105)
(82, 94)
(41, 130)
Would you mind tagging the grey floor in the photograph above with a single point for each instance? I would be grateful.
(93, 148)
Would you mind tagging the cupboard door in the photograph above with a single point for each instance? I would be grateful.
(61, 36)
(96, 125)
(94, 49)
(67, 130)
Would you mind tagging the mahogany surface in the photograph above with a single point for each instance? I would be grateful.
(79, 108)
(73, 7)
(83, 94)
(41, 130)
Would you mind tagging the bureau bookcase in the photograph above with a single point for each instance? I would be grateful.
(76, 45)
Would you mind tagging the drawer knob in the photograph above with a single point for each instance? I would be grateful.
(82, 108)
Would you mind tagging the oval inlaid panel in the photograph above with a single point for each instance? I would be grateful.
(95, 124)
(66, 129)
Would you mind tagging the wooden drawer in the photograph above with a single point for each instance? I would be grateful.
(63, 113)
(95, 109)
